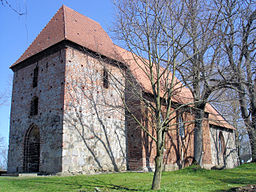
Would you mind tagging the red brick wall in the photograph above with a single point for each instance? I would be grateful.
(178, 152)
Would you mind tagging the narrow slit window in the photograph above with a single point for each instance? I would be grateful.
(35, 77)
(181, 126)
(34, 106)
(105, 78)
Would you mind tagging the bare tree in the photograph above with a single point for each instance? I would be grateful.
(228, 106)
(202, 73)
(5, 94)
(4, 100)
(238, 29)
(3, 154)
(7, 4)
(153, 36)
(3, 147)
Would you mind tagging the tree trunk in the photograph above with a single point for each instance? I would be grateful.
(252, 138)
(198, 137)
(249, 122)
(252, 133)
(158, 172)
(238, 143)
(156, 184)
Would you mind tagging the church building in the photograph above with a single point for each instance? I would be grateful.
(67, 115)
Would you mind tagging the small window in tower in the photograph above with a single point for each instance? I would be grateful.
(105, 78)
(34, 106)
(35, 77)
(181, 126)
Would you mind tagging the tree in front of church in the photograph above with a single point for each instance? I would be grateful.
(3, 154)
(155, 40)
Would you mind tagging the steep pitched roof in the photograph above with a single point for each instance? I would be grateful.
(68, 24)
(215, 118)
(52, 33)
(182, 94)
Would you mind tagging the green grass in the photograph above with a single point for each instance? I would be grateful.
(188, 179)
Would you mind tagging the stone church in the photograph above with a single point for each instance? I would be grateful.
(67, 115)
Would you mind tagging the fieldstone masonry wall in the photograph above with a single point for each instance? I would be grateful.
(229, 159)
(50, 109)
(94, 135)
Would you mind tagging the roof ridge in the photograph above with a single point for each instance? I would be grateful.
(64, 19)
(220, 114)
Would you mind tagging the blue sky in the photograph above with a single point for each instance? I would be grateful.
(18, 32)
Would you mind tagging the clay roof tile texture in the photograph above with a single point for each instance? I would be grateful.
(88, 33)
(68, 24)
(181, 95)
(51, 34)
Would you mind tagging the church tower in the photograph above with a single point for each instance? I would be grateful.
(45, 131)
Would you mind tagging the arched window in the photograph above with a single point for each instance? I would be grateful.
(32, 150)
(34, 106)
(35, 77)
(221, 143)
(161, 117)
(181, 126)
(105, 78)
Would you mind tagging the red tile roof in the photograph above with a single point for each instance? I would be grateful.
(68, 24)
(181, 95)
(52, 33)
(215, 118)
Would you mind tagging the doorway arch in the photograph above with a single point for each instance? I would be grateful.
(32, 150)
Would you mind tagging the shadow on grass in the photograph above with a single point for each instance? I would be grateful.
(116, 187)
(247, 188)
(228, 178)
(233, 178)
(74, 184)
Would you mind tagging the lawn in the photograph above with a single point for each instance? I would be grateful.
(188, 179)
